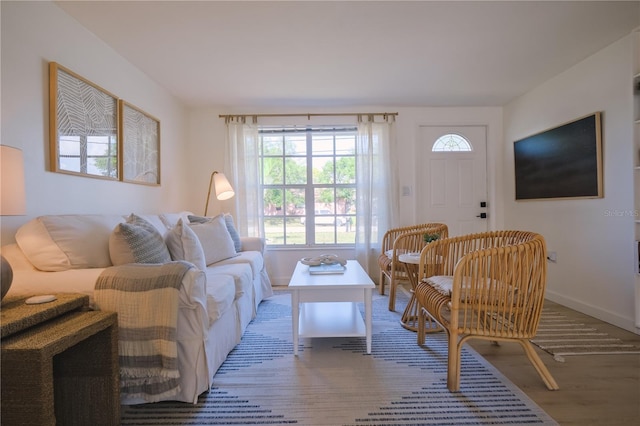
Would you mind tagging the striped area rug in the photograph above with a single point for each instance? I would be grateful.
(334, 382)
(563, 336)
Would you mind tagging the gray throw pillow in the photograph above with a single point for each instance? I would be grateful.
(231, 227)
(137, 241)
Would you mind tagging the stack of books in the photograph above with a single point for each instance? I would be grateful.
(324, 268)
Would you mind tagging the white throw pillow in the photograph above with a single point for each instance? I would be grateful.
(62, 242)
(137, 241)
(228, 221)
(184, 244)
(215, 239)
(171, 219)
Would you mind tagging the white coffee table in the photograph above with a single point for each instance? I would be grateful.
(326, 305)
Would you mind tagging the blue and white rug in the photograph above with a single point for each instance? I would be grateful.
(334, 382)
(562, 336)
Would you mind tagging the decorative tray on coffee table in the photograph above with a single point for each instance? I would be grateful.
(325, 264)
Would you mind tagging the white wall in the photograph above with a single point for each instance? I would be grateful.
(35, 33)
(207, 132)
(206, 153)
(594, 270)
(409, 122)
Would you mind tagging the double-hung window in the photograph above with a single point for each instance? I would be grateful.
(308, 178)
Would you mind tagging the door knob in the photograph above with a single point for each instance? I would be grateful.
(482, 216)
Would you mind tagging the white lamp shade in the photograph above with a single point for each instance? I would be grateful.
(11, 182)
(224, 191)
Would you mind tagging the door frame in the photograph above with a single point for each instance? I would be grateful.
(419, 199)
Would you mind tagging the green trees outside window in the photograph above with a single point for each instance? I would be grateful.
(308, 185)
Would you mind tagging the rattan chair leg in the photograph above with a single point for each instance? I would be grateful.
(392, 295)
(542, 370)
(453, 363)
(422, 319)
(381, 283)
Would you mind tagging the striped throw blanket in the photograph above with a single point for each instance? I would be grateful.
(145, 297)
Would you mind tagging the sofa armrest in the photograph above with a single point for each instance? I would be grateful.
(253, 244)
(126, 280)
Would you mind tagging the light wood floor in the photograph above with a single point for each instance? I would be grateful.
(594, 389)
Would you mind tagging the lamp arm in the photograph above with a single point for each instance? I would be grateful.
(206, 207)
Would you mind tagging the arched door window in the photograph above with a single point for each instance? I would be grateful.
(451, 142)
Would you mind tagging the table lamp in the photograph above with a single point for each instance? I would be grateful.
(12, 200)
(224, 191)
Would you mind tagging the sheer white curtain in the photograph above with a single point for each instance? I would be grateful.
(243, 162)
(377, 199)
(377, 202)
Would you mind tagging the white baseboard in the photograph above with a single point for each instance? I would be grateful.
(594, 311)
(280, 281)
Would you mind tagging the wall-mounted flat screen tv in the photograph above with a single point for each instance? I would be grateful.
(563, 162)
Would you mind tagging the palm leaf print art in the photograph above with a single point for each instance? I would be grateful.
(141, 146)
(84, 125)
(84, 110)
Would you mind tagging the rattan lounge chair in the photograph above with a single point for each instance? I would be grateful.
(388, 260)
(409, 242)
(487, 286)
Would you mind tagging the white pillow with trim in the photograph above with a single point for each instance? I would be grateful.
(215, 239)
(184, 244)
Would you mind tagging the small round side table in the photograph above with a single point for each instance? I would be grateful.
(409, 320)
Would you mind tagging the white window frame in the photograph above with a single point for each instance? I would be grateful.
(452, 142)
(308, 215)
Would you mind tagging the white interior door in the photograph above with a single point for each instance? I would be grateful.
(452, 180)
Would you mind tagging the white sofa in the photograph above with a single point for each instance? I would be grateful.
(218, 297)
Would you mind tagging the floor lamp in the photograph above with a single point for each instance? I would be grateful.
(12, 200)
(224, 190)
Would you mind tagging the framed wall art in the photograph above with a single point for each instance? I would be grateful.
(140, 145)
(83, 130)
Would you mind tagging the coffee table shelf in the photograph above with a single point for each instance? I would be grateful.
(331, 319)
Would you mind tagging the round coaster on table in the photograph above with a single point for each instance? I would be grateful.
(40, 299)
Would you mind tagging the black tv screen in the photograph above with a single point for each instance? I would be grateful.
(563, 162)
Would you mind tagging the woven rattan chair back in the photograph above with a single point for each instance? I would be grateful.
(409, 242)
(386, 257)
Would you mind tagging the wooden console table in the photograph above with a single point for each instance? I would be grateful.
(59, 363)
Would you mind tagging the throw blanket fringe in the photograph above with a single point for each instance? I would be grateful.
(145, 297)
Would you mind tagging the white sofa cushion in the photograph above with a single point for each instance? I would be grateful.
(253, 258)
(241, 273)
(221, 292)
(137, 241)
(184, 244)
(215, 239)
(62, 242)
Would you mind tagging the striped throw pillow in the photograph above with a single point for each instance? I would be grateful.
(137, 241)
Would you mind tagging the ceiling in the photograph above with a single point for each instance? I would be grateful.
(239, 54)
